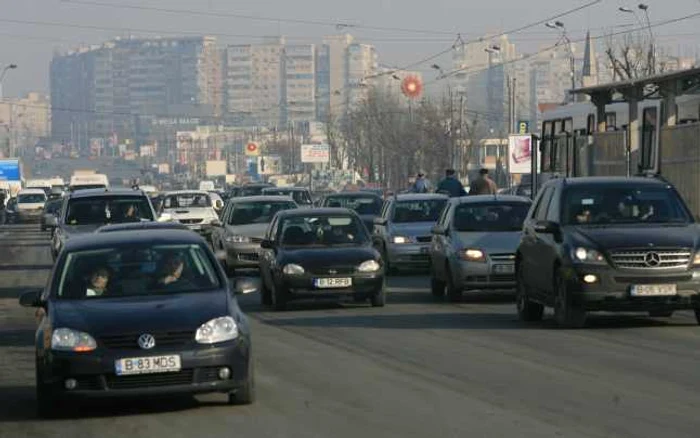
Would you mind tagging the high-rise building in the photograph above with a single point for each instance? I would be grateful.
(323, 83)
(337, 53)
(25, 121)
(300, 83)
(362, 63)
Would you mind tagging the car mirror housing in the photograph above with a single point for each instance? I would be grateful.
(379, 221)
(267, 244)
(31, 298)
(439, 229)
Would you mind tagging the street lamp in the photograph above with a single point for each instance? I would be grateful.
(572, 62)
(652, 48)
(2, 76)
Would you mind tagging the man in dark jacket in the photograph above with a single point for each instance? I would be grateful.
(451, 185)
(483, 185)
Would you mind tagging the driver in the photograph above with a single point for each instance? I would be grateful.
(98, 281)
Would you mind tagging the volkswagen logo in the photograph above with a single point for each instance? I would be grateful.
(652, 259)
(146, 341)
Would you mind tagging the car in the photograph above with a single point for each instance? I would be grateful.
(300, 195)
(608, 244)
(30, 205)
(194, 208)
(84, 211)
(319, 254)
(474, 244)
(244, 222)
(252, 189)
(403, 230)
(367, 205)
(50, 214)
(135, 313)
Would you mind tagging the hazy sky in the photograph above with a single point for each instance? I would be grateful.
(30, 45)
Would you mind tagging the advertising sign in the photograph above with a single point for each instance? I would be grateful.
(520, 153)
(9, 170)
(315, 153)
(270, 165)
(216, 167)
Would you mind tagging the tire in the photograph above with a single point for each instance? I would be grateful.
(528, 311)
(379, 298)
(454, 294)
(661, 313)
(566, 314)
(279, 299)
(388, 269)
(246, 394)
(265, 293)
(437, 286)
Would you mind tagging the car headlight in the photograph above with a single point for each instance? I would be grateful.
(237, 239)
(217, 330)
(587, 255)
(472, 255)
(400, 239)
(65, 339)
(696, 259)
(292, 269)
(368, 266)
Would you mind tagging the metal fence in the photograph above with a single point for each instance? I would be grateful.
(608, 154)
(680, 161)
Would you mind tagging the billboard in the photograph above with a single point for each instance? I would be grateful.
(315, 153)
(216, 167)
(9, 170)
(270, 165)
(520, 153)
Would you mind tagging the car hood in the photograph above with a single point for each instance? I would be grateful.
(250, 230)
(413, 229)
(636, 236)
(319, 257)
(492, 242)
(177, 312)
(71, 230)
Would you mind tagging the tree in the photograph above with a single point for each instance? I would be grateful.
(631, 56)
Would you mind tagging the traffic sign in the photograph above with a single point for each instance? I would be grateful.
(252, 149)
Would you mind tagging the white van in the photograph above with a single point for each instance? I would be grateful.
(89, 181)
(30, 204)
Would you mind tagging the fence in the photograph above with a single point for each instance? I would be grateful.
(680, 161)
(608, 154)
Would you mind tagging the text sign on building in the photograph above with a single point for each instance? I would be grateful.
(9, 170)
(315, 153)
(523, 127)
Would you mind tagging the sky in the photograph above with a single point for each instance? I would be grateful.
(404, 31)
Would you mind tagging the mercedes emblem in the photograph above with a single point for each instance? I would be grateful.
(652, 259)
(146, 341)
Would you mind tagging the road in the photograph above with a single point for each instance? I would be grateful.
(416, 368)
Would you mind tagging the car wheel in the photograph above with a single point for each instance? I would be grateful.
(527, 310)
(246, 394)
(265, 293)
(437, 286)
(565, 312)
(661, 313)
(279, 299)
(379, 297)
(454, 293)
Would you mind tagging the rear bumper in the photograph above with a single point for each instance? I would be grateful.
(487, 275)
(302, 287)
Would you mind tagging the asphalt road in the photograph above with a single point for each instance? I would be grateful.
(416, 368)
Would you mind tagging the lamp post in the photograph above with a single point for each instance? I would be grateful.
(3, 74)
(558, 25)
(645, 23)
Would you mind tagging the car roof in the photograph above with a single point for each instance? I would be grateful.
(419, 196)
(32, 191)
(609, 180)
(260, 198)
(92, 193)
(352, 194)
(135, 226)
(293, 189)
(475, 199)
(325, 211)
(131, 237)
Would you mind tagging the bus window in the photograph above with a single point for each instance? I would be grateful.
(649, 135)
(590, 124)
(568, 126)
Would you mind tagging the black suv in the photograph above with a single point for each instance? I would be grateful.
(608, 244)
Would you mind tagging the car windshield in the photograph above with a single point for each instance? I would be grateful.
(425, 210)
(31, 198)
(53, 206)
(245, 213)
(365, 205)
(628, 204)
(495, 216)
(108, 210)
(187, 200)
(136, 270)
(322, 230)
(301, 197)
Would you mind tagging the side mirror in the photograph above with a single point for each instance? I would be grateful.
(245, 286)
(439, 229)
(379, 221)
(165, 217)
(218, 204)
(267, 244)
(31, 298)
(547, 227)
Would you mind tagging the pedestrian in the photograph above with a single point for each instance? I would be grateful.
(451, 185)
(483, 184)
(421, 185)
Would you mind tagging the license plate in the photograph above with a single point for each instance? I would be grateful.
(147, 365)
(327, 283)
(504, 269)
(653, 290)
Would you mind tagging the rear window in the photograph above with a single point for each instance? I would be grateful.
(31, 198)
(427, 210)
(364, 205)
(322, 230)
(491, 217)
(301, 197)
(137, 270)
(246, 213)
(187, 200)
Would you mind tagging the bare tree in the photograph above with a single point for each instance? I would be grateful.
(631, 56)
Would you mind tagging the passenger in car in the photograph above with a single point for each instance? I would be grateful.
(98, 281)
(171, 270)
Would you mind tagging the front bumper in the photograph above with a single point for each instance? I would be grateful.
(30, 216)
(95, 372)
(303, 286)
(612, 290)
(242, 255)
(409, 254)
(486, 275)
